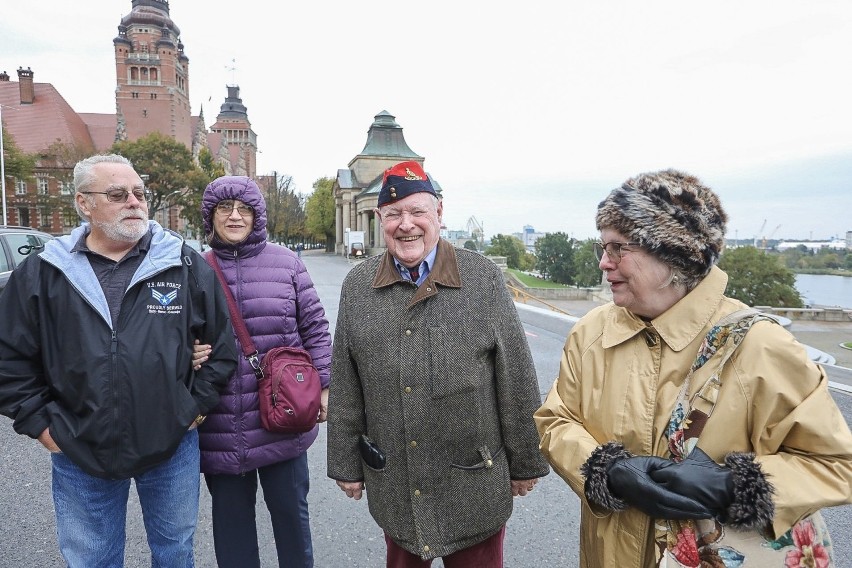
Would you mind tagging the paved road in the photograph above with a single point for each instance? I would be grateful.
(543, 531)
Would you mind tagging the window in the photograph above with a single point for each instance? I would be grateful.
(70, 218)
(20, 187)
(23, 217)
(66, 188)
(41, 186)
(44, 218)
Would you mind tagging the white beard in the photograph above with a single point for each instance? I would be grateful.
(118, 230)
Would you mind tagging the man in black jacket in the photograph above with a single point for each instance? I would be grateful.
(95, 363)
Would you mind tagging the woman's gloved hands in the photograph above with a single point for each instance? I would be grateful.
(700, 478)
(616, 479)
(632, 479)
(736, 493)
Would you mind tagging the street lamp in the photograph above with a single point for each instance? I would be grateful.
(2, 166)
(164, 206)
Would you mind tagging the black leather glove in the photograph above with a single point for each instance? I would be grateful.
(630, 479)
(616, 479)
(700, 478)
(372, 454)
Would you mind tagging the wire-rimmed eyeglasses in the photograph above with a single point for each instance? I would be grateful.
(121, 195)
(613, 250)
(226, 207)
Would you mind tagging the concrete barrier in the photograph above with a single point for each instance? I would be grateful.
(810, 314)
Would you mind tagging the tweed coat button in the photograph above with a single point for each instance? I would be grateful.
(428, 289)
(489, 463)
(407, 389)
(413, 443)
(426, 548)
(417, 494)
(407, 332)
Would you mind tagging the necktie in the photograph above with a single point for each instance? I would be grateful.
(414, 273)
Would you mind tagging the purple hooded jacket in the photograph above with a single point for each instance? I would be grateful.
(280, 306)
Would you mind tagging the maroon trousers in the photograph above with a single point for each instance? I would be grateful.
(485, 554)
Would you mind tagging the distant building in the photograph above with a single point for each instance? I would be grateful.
(528, 236)
(834, 243)
(151, 95)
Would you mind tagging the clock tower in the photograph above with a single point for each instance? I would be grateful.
(152, 75)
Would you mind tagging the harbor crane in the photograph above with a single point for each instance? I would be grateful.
(770, 235)
(477, 233)
(760, 232)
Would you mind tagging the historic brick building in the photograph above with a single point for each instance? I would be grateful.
(151, 95)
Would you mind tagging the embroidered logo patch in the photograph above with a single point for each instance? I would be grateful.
(165, 302)
(164, 299)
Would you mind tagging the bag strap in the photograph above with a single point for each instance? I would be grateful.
(723, 338)
(237, 321)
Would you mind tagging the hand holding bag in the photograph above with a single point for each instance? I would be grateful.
(288, 383)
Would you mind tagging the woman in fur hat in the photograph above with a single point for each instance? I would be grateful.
(676, 416)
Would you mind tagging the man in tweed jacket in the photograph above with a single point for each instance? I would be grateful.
(431, 363)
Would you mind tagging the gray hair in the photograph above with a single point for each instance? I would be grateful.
(84, 176)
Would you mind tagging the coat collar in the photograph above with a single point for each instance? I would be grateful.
(679, 325)
(445, 272)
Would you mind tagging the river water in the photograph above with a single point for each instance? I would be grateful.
(825, 290)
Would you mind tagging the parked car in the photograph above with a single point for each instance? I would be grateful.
(15, 244)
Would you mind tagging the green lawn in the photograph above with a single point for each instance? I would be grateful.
(534, 282)
(847, 345)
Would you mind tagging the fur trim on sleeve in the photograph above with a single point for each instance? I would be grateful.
(594, 470)
(752, 506)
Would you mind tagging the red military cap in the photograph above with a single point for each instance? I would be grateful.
(402, 180)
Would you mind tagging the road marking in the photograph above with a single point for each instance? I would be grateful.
(840, 387)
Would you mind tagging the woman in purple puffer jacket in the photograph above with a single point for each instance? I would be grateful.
(280, 306)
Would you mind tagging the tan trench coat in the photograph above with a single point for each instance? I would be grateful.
(619, 378)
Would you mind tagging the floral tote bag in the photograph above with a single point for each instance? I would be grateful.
(708, 543)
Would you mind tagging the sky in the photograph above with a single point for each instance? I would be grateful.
(527, 113)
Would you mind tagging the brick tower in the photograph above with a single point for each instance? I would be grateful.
(152, 74)
(238, 142)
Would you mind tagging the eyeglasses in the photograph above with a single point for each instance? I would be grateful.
(613, 250)
(121, 195)
(226, 207)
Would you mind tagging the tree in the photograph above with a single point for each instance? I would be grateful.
(759, 279)
(586, 270)
(513, 249)
(59, 160)
(320, 213)
(471, 245)
(285, 209)
(17, 163)
(555, 254)
(209, 165)
(173, 177)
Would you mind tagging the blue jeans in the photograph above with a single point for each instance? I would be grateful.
(285, 491)
(91, 512)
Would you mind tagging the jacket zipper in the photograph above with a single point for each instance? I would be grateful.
(241, 449)
(116, 385)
